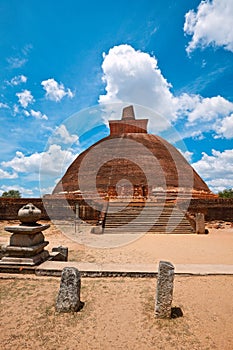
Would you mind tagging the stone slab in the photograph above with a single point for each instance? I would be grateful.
(54, 268)
(17, 251)
(132, 270)
(31, 261)
(23, 229)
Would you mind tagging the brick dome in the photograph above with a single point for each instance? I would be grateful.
(130, 158)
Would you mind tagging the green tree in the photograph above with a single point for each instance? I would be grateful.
(11, 194)
(227, 193)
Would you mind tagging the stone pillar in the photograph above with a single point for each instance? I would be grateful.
(200, 223)
(164, 290)
(68, 299)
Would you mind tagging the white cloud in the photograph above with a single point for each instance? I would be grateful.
(133, 76)
(54, 161)
(186, 154)
(16, 62)
(38, 115)
(15, 109)
(62, 135)
(46, 190)
(218, 166)
(25, 98)
(218, 185)
(225, 127)
(210, 25)
(56, 91)
(17, 80)
(6, 175)
(208, 109)
(3, 105)
(20, 59)
(35, 114)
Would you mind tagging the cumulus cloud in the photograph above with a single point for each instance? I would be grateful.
(38, 115)
(186, 154)
(52, 162)
(133, 76)
(217, 166)
(208, 109)
(225, 127)
(17, 80)
(25, 98)
(211, 24)
(6, 175)
(62, 135)
(56, 91)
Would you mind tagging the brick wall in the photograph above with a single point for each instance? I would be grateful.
(50, 208)
(214, 209)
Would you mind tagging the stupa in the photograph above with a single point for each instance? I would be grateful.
(131, 161)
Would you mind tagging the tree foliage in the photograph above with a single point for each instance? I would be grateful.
(11, 194)
(227, 193)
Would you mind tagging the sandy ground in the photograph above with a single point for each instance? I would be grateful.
(119, 312)
(213, 248)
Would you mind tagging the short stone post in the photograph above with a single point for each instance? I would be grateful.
(200, 223)
(164, 290)
(68, 299)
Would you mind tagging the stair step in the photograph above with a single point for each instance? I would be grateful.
(139, 218)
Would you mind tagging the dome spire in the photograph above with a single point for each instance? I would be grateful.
(128, 113)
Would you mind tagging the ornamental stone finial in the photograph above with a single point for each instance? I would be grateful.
(29, 214)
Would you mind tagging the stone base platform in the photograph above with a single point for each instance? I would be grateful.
(26, 245)
(54, 268)
(31, 261)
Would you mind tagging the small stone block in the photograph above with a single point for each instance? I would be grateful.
(98, 230)
(68, 299)
(63, 251)
(56, 256)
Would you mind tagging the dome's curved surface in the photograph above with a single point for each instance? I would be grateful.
(147, 161)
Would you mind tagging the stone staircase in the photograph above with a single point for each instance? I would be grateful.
(149, 217)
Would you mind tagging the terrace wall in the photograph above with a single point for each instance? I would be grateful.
(59, 208)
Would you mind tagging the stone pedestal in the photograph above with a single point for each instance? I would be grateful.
(26, 245)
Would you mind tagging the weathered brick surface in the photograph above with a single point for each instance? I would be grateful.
(53, 208)
(214, 209)
(133, 155)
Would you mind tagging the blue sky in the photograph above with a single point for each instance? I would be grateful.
(61, 61)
